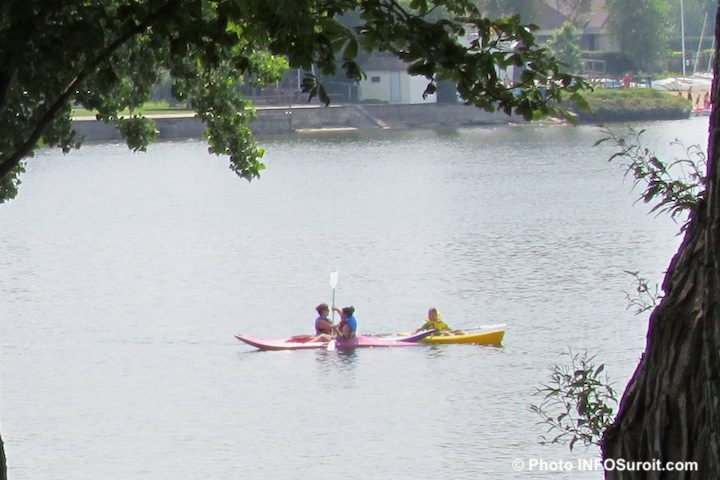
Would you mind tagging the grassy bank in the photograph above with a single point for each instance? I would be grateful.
(150, 108)
(627, 104)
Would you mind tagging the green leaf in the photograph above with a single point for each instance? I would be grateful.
(323, 96)
(351, 49)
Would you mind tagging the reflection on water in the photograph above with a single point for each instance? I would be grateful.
(120, 300)
(341, 358)
(435, 351)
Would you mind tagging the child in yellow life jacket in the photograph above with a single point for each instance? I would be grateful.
(434, 322)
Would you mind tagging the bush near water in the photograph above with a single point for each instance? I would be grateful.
(628, 104)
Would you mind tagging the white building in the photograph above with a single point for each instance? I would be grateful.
(388, 82)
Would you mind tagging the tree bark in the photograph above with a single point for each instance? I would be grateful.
(3, 462)
(670, 411)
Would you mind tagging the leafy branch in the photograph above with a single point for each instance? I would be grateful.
(578, 403)
(61, 102)
(675, 187)
(643, 299)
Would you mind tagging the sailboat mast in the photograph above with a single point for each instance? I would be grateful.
(682, 34)
(697, 55)
(710, 57)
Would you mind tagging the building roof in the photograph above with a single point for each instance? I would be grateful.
(552, 14)
(549, 18)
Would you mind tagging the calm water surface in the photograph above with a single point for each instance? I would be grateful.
(123, 278)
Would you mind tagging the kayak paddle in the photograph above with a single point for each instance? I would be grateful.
(333, 284)
(496, 326)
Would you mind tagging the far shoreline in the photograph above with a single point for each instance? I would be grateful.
(305, 118)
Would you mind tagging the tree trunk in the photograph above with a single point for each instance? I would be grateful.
(670, 411)
(3, 463)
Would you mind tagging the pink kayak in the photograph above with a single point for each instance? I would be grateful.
(302, 342)
(362, 341)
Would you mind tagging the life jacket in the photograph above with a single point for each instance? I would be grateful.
(352, 322)
(320, 329)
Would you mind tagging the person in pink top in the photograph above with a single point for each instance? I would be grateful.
(324, 328)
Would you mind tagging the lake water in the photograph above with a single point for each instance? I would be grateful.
(123, 278)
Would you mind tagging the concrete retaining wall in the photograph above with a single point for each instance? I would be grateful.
(429, 115)
(294, 118)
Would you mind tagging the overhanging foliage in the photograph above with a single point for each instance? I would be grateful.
(106, 56)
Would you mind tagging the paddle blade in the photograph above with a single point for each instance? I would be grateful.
(333, 279)
(331, 345)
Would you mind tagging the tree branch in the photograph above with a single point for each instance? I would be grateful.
(4, 88)
(8, 164)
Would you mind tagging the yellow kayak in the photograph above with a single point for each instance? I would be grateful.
(487, 337)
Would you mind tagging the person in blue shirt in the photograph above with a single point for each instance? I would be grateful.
(347, 328)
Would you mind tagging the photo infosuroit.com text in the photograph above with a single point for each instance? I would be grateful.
(598, 464)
